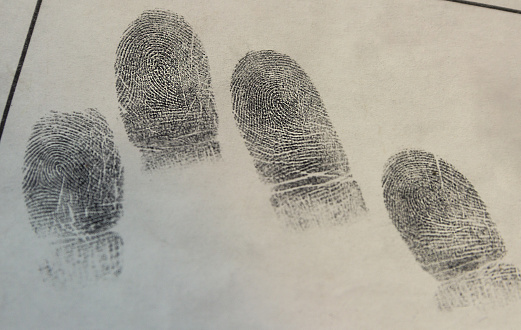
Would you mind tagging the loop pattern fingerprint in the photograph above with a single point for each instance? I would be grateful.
(293, 144)
(441, 217)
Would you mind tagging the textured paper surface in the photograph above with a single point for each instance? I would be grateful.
(203, 248)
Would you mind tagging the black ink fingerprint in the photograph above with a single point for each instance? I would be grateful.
(72, 184)
(292, 141)
(443, 220)
(84, 259)
(72, 175)
(495, 284)
(164, 89)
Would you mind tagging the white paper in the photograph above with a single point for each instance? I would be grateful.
(203, 248)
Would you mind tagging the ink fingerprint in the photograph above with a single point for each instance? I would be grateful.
(164, 90)
(441, 217)
(84, 259)
(293, 144)
(494, 285)
(72, 184)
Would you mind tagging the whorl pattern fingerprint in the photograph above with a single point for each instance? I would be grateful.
(73, 187)
(72, 175)
(164, 90)
(439, 214)
(292, 141)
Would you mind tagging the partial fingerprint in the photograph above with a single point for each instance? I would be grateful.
(292, 141)
(164, 89)
(73, 187)
(444, 222)
(493, 285)
(84, 259)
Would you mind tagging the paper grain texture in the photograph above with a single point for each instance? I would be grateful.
(203, 248)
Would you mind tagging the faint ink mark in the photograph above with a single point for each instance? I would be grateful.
(484, 5)
(73, 187)
(441, 217)
(85, 259)
(164, 90)
(497, 284)
(19, 67)
(292, 141)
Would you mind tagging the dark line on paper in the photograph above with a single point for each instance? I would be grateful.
(483, 5)
(19, 68)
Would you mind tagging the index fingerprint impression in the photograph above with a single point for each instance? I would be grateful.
(292, 141)
(73, 191)
(441, 217)
(164, 89)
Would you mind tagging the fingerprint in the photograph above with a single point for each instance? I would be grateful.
(293, 144)
(84, 259)
(164, 90)
(495, 285)
(72, 184)
(72, 175)
(441, 217)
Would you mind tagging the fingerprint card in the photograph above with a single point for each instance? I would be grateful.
(260, 165)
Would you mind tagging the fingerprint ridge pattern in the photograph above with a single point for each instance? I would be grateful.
(164, 91)
(445, 224)
(295, 149)
(84, 259)
(494, 285)
(73, 188)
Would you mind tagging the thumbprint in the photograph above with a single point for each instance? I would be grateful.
(72, 184)
(293, 144)
(164, 91)
(441, 217)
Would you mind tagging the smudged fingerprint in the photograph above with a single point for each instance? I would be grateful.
(292, 141)
(441, 217)
(164, 90)
(84, 259)
(73, 187)
(497, 284)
